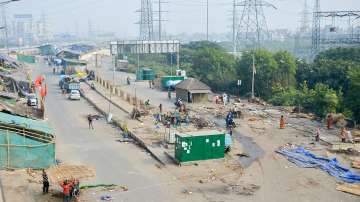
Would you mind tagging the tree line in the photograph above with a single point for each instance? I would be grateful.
(330, 83)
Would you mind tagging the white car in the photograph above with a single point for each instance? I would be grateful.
(74, 95)
(32, 100)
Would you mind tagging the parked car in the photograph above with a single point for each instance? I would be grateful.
(74, 95)
(32, 100)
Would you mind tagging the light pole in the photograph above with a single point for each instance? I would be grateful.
(2, 4)
(253, 77)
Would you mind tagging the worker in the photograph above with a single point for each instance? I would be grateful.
(54, 70)
(349, 137)
(229, 120)
(282, 122)
(317, 134)
(147, 103)
(128, 80)
(187, 119)
(160, 108)
(46, 183)
(230, 131)
(169, 94)
(150, 84)
(224, 98)
(343, 134)
(66, 185)
(329, 121)
(90, 120)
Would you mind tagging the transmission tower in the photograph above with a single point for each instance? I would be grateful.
(316, 28)
(339, 33)
(302, 38)
(252, 29)
(146, 21)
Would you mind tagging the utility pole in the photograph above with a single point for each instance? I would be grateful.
(253, 77)
(5, 28)
(207, 20)
(234, 28)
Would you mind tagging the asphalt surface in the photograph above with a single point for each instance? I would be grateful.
(115, 162)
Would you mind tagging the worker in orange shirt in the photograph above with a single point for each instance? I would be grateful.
(66, 185)
(282, 122)
(329, 121)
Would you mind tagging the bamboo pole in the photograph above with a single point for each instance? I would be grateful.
(8, 149)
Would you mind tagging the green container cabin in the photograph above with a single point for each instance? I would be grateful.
(202, 145)
(165, 81)
(145, 74)
(26, 58)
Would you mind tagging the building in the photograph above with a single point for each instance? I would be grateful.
(25, 143)
(193, 91)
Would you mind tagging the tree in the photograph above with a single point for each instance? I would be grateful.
(214, 67)
(352, 101)
(266, 68)
(287, 68)
(321, 100)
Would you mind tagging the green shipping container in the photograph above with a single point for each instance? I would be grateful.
(202, 145)
(26, 58)
(166, 81)
(145, 74)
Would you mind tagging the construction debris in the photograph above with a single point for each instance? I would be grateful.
(349, 188)
(345, 147)
(63, 172)
(246, 190)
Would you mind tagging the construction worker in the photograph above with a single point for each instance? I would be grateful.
(317, 134)
(343, 134)
(90, 120)
(160, 108)
(329, 121)
(169, 94)
(128, 80)
(282, 122)
(66, 185)
(46, 183)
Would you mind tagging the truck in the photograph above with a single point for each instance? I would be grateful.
(72, 85)
(68, 83)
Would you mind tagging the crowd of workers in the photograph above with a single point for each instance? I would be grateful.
(344, 135)
(70, 188)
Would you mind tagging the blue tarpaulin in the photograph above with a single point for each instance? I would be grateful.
(306, 159)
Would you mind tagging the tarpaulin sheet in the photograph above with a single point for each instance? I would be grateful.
(306, 159)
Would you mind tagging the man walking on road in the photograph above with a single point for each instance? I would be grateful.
(90, 119)
(46, 183)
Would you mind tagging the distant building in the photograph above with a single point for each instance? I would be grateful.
(193, 91)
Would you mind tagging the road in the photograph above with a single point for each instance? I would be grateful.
(141, 89)
(115, 162)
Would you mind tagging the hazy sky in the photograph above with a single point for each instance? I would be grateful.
(189, 16)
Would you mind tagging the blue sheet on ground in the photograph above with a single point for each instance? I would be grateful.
(306, 159)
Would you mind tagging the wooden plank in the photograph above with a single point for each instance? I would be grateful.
(356, 164)
(349, 188)
(345, 146)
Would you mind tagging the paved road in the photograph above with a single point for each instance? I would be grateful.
(118, 163)
(140, 88)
